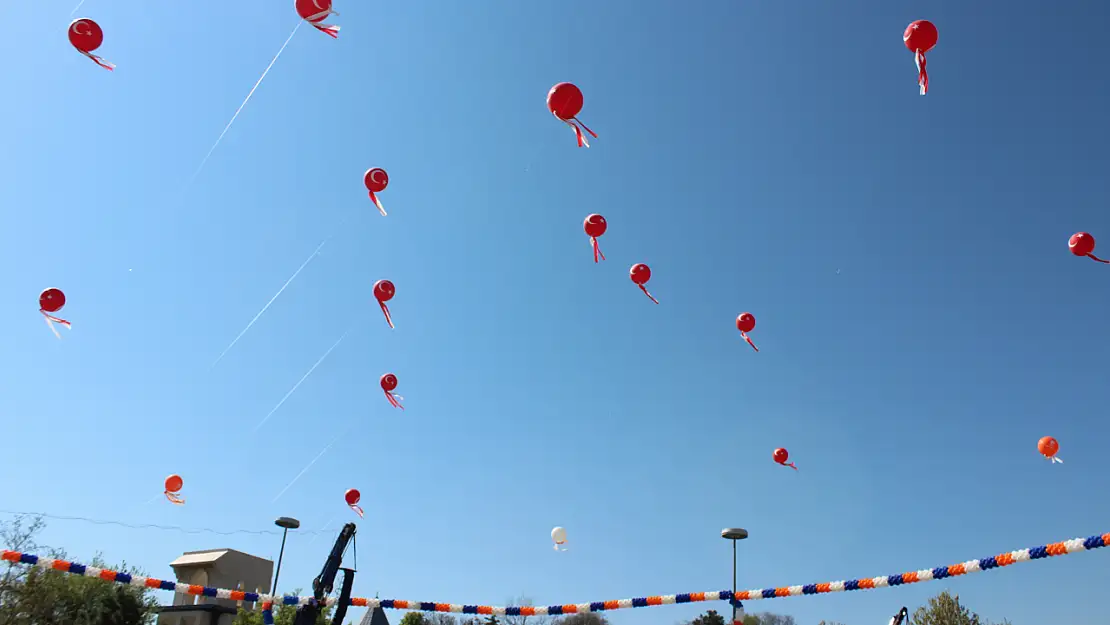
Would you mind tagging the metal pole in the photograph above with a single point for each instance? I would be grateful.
(733, 567)
(734, 581)
(273, 589)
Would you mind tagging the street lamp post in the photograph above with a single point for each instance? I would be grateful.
(286, 523)
(734, 534)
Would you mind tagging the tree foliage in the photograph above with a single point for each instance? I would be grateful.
(711, 617)
(436, 618)
(33, 596)
(944, 609)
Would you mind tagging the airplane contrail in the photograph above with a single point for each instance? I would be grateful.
(307, 467)
(76, 7)
(267, 306)
(301, 381)
(245, 100)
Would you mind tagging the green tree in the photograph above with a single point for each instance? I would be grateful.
(413, 618)
(944, 609)
(283, 614)
(768, 618)
(709, 618)
(583, 618)
(764, 618)
(33, 596)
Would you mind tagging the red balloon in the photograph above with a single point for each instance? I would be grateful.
(174, 483)
(920, 37)
(1048, 448)
(565, 103)
(1083, 244)
(314, 12)
(595, 226)
(52, 300)
(383, 292)
(745, 322)
(376, 180)
(781, 456)
(352, 496)
(389, 382)
(565, 100)
(640, 274)
(86, 35)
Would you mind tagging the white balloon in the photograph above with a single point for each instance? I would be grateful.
(559, 535)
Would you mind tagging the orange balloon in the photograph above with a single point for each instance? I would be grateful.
(174, 483)
(1048, 446)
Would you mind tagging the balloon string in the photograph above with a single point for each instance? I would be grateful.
(644, 289)
(393, 400)
(357, 509)
(1054, 460)
(922, 75)
(385, 311)
(597, 250)
(328, 29)
(174, 498)
(746, 338)
(377, 203)
(100, 61)
(1098, 259)
(790, 464)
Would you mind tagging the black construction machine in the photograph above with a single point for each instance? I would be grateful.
(325, 582)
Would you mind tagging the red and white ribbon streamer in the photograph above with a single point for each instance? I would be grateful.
(749, 340)
(922, 75)
(394, 400)
(377, 202)
(385, 311)
(582, 141)
(597, 250)
(100, 61)
(51, 320)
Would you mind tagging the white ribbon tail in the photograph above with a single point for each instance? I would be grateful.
(50, 324)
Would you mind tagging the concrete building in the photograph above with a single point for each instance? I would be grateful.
(215, 568)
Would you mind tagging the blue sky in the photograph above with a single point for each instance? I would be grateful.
(747, 151)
